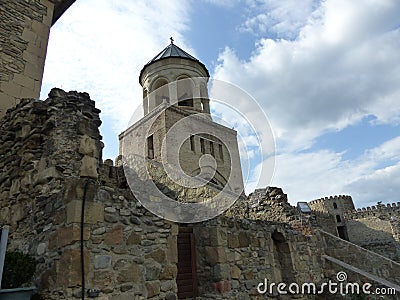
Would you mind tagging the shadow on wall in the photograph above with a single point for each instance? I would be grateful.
(374, 234)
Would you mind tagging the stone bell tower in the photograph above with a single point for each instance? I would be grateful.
(177, 117)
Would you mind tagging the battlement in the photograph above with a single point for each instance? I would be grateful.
(331, 198)
(380, 210)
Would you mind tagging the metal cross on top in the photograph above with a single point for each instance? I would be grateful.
(172, 40)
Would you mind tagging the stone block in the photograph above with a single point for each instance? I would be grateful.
(244, 240)
(11, 88)
(131, 273)
(153, 288)
(88, 146)
(102, 261)
(233, 241)
(24, 80)
(41, 248)
(235, 272)
(158, 255)
(27, 93)
(153, 270)
(89, 167)
(222, 271)
(40, 28)
(18, 213)
(67, 235)
(94, 212)
(134, 239)
(215, 255)
(103, 279)
(33, 71)
(222, 286)
(167, 285)
(125, 296)
(45, 175)
(172, 249)
(114, 237)
(69, 267)
(169, 272)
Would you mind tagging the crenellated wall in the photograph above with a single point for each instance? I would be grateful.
(327, 204)
(381, 210)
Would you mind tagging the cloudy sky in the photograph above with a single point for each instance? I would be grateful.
(326, 74)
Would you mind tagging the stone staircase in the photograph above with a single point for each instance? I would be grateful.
(346, 256)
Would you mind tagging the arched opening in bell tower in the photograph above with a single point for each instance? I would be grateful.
(161, 92)
(185, 89)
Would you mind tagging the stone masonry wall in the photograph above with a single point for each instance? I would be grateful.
(376, 228)
(234, 256)
(361, 258)
(50, 155)
(51, 162)
(272, 204)
(24, 33)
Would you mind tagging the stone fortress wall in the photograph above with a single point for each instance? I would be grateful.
(51, 156)
(375, 228)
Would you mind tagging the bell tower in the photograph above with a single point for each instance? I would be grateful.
(176, 77)
(177, 128)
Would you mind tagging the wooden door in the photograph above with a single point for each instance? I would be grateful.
(187, 275)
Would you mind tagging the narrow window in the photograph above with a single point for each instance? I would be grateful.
(212, 148)
(203, 149)
(150, 147)
(338, 219)
(221, 153)
(192, 146)
(334, 205)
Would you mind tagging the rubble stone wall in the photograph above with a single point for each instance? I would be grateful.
(235, 255)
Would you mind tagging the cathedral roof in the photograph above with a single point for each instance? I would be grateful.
(172, 50)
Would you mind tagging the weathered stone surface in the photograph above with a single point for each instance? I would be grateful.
(88, 146)
(94, 212)
(68, 235)
(244, 240)
(131, 273)
(89, 167)
(69, 268)
(235, 272)
(102, 261)
(134, 239)
(153, 288)
(103, 279)
(153, 270)
(41, 249)
(170, 296)
(169, 272)
(222, 286)
(114, 237)
(158, 255)
(215, 255)
(233, 241)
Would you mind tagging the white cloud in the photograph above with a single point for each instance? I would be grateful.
(311, 175)
(284, 18)
(331, 76)
(341, 65)
(107, 47)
